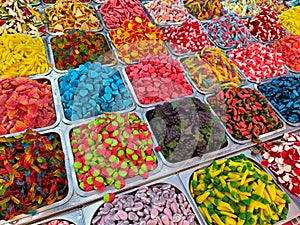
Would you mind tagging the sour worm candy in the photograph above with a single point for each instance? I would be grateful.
(241, 8)
(22, 55)
(282, 158)
(32, 172)
(158, 78)
(74, 48)
(67, 15)
(137, 38)
(159, 204)
(228, 31)
(110, 149)
(289, 47)
(115, 12)
(274, 5)
(245, 112)
(92, 90)
(236, 191)
(58, 222)
(25, 103)
(258, 61)
(283, 93)
(18, 17)
(188, 37)
(265, 26)
(204, 10)
(185, 128)
(166, 11)
(290, 20)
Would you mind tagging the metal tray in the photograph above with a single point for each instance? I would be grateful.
(90, 210)
(51, 55)
(47, 210)
(61, 108)
(136, 180)
(152, 104)
(269, 134)
(193, 160)
(186, 175)
(75, 217)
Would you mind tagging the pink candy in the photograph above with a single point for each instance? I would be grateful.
(59, 222)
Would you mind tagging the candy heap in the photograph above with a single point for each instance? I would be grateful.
(241, 8)
(204, 10)
(236, 191)
(25, 103)
(274, 5)
(32, 173)
(58, 222)
(91, 90)
(158, 78)
(110, 149)
(290, 20)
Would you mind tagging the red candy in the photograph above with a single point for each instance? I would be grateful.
(188, 37)
(25, 103)
(158, 78)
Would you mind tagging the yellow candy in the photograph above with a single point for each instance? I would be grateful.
(290, 19)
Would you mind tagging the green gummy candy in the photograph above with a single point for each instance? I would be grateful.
(88, 157)
(89, 180)
(135, 157)
(77, 165)
(113, 158)
(96, 173)
(122, 173)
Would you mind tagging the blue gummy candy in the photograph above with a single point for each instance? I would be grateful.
(83, 93)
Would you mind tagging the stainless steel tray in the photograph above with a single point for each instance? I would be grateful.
(186, 175)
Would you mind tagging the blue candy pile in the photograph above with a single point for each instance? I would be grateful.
(284, 94)
(92, 90)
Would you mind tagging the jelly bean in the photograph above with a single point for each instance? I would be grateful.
(274, 5)
(78, 47)
(136, 39)
(282, 158)
(113, 12)
(32, 168)
(158, 78)
(236, 191)
(25, 103)
(22, 55)
(241, 8)
(188, 37)
(258, 61)
(290, 20)
(110, 149)
(284, 94)
(67, 15)
(17, 17)
(166, 12)
(289, 47)
(246, 113)
(265, 26)
(204, 10)
(228, 31)
(184, 129)
(92, 90)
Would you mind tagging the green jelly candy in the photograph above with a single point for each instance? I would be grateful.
(77, 165)
(89, 180)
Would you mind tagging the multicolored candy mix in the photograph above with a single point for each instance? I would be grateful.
(32, 173)
(241, 8)
(204, 10)
(274, 5)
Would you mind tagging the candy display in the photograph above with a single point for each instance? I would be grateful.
(23, 56)
(158, 204)
(258, 62)
(17, 17)
(78, 47)
(115, 12)
(265, 26)
(236, 191)
(188, 37)
(25, 103)
(103, 157)
(137, 38)
(91, 90)
(211, 69)
(32, 173)
(166, 12)
(241, 8)
(290, 20)
(185, 128)
(204, 10)
(67, 15)
(246, 113)
(282, 158)
(274, 5)
(158, 78)
(228, 32)
(289, 47)
(287, 104)
(54, 1)
(58, 222)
